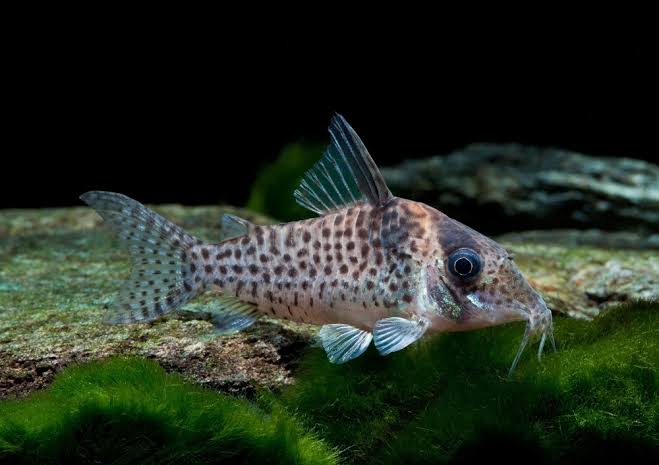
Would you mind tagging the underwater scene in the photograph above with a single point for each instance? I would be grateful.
(348, 313)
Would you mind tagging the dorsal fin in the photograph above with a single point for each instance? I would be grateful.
(233, 226)
(344, 176)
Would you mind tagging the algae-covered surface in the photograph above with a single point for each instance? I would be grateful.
(59, 270)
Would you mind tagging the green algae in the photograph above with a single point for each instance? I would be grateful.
(131, 411)
(446, 398)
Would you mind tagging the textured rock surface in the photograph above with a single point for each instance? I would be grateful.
(529, 187)
(59, 270)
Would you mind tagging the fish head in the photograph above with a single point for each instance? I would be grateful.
(473, 282)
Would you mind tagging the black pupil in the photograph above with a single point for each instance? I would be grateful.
(463, 266)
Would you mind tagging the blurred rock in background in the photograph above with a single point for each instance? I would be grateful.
(509, 187)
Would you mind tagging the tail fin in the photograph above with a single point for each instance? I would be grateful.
(158, 250)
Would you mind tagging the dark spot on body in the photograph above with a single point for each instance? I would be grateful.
(365, 250)
(208, 269)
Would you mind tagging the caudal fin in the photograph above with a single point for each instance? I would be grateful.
(158, 249)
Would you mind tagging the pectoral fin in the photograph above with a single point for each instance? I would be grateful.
(393, 334)
(344, 342)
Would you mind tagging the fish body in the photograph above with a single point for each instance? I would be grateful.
(371, 267)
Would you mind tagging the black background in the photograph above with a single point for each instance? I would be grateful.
(176, 121)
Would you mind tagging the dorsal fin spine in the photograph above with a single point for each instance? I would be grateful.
(371, 185)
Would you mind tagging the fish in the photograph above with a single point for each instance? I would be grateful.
(370, 267)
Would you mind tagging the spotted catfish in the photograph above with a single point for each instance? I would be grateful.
(370, 267)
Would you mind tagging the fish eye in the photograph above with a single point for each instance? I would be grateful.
(464, 264)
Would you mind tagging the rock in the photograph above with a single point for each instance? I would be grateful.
(512, 187)
(586, 237)
(60, 270)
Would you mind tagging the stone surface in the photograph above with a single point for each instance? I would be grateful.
(59, 270)
(514, 187)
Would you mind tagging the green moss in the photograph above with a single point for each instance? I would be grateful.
(131, 411)
(449, 399)
(272, 192)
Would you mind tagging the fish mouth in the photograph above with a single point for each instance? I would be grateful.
(539, 322)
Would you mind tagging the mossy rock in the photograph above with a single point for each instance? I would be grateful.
(59, 270)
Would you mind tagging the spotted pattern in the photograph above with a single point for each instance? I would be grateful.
(319, 270)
